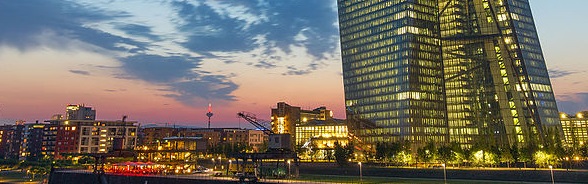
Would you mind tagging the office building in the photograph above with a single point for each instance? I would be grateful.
(575, 129)
(310, 129)
(393, 71)
(496, 78)
(465, 71)
(320, 136)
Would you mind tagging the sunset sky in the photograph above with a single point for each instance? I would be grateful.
(161, 61)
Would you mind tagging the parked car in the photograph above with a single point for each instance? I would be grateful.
(201, 169)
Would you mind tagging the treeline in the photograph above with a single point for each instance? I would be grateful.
(480, 155)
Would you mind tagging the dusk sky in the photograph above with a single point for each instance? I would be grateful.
(161, 61)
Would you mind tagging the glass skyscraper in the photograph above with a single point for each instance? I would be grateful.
(465, 71)
(393, 70)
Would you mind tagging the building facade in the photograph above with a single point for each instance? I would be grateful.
(322, 134)
(310, 129)
(393, 71)
(575, 129)
(79, 112)
(91, 136)
(496, 79)
(213, 136)
(446, 71)
(21, 141)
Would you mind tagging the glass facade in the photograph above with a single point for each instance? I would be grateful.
(496, 79)
(446, 71)
(392, 69)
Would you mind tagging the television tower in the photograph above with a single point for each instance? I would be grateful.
(209, 114)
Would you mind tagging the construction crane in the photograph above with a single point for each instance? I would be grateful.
(277, 142)
(253, 120)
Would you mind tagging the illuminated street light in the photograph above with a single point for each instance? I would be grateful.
(289, 173)
(444, 174)
(360, 173)
(551, 170)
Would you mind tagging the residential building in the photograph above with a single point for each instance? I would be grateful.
(92, 136)
(22, 141)
(256, 139)
(154, 134)
(79, 112)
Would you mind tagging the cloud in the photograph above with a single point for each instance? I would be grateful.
(81, 72)
(572, 103)
(165, 43)
(138, 30)
(268, 25)
(555, 73)
(185, 83)
(115, 90)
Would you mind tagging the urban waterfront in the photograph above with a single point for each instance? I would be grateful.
(424, 91)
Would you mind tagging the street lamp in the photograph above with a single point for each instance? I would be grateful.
(230, 162)
(551, 170)
(289, 173)
(444, 174)
(360, 173)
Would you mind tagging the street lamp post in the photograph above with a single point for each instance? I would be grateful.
(289, 172)
(551, 170)
(220, 161)
(230, 161)
(360, 173)
(444, 174)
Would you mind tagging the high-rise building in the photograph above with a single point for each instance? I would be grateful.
(495, 75)
(392, 70)
(465, 71)
(79, 112)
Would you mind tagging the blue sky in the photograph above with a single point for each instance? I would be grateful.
(164, 61)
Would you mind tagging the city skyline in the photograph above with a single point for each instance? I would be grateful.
(111, 54)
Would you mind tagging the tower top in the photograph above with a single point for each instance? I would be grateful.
(209, 113)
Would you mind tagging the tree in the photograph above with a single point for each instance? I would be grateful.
(483, 158)
(544, 159)
(381, 150)
(427, 153)
(526, 154)
(584, 150)
(341, 155)
(445, 154)
(515, 153)
(506, 156)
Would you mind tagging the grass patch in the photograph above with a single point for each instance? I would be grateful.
(17, 177)
(374, 180)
